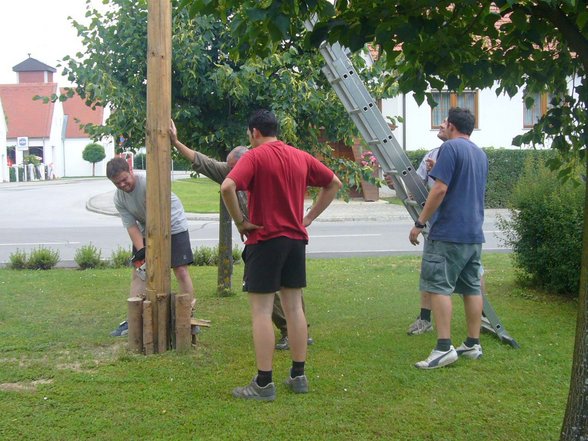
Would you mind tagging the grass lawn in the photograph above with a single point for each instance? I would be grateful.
(62, 377)
(201, 195)
(393, 200)
(198, 195)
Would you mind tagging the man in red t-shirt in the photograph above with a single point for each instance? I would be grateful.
(276, 176)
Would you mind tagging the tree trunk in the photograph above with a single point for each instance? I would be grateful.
(575, 424)
(225, 251)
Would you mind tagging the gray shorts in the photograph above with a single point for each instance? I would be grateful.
(181, 249)
(449, 267)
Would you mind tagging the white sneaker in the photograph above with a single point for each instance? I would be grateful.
(474, 352)
(438, 359)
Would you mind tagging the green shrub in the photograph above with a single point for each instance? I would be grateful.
(179, 162)
(120, 258)
(140, 161)
(237, 255)
(88, 256)
(208, 256)
(205, 256)
(545, 229)
(12, 174)
(43, 258)
(18, 260)
(504, 170)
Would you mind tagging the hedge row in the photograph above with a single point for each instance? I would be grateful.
(180, 163)
(504, 170)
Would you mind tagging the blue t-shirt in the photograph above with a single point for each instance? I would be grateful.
(463, 166)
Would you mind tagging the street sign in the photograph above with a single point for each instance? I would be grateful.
(22, 143)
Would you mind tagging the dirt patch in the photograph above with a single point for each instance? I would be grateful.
(28, 386)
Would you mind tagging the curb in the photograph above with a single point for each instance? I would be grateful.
(338, 211)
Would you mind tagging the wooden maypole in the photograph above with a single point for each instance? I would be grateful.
(159, 56)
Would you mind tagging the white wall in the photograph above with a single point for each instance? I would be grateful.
(4, 176)
(500, 119)
(75, 165)
(53, 147)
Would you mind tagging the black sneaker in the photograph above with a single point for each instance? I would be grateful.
(282, 344)
(298, 385)
(255, 392)
(121, 331)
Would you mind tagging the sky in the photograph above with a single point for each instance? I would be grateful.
(41, 28)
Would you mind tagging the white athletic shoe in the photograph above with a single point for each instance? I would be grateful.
(474, 352)
(438, 359)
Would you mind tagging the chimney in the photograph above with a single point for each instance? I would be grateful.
(33, 71)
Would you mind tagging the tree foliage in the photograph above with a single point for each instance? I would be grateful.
(93, 153)
(533, 46)
(213, 95)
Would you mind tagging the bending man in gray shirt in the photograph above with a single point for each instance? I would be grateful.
(130, 200)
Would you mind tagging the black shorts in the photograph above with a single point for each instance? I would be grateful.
(181, 249)
(273, 264)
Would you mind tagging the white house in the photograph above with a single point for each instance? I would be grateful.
(4, 176)
(52, 129)
(498, 118)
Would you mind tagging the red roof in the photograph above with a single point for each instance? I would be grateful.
(78, 114)
(25, 117)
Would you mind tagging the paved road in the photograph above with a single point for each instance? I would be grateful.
(55, 215)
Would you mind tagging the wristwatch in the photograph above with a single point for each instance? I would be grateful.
(419, 225)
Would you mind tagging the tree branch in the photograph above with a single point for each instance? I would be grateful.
(567, 28)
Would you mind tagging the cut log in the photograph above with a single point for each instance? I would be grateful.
(135, 321)
(147, 327)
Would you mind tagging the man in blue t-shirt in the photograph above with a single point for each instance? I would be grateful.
(452, 252)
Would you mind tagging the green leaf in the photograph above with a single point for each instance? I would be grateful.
(453, 82)
(256, 14)
(282, 22)
(582, 20)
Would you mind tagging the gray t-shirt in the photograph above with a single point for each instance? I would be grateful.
(132, 207)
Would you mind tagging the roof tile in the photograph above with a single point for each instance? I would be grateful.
(24, 116)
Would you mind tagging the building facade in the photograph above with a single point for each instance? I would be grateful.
(51, 129)
(498, 118)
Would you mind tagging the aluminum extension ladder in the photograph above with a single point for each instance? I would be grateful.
(366, 115)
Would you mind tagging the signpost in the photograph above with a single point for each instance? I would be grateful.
(22, 143)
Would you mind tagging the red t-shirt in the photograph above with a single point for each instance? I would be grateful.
(276, 176)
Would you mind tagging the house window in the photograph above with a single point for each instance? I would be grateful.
(446, 100)
(540, 105)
